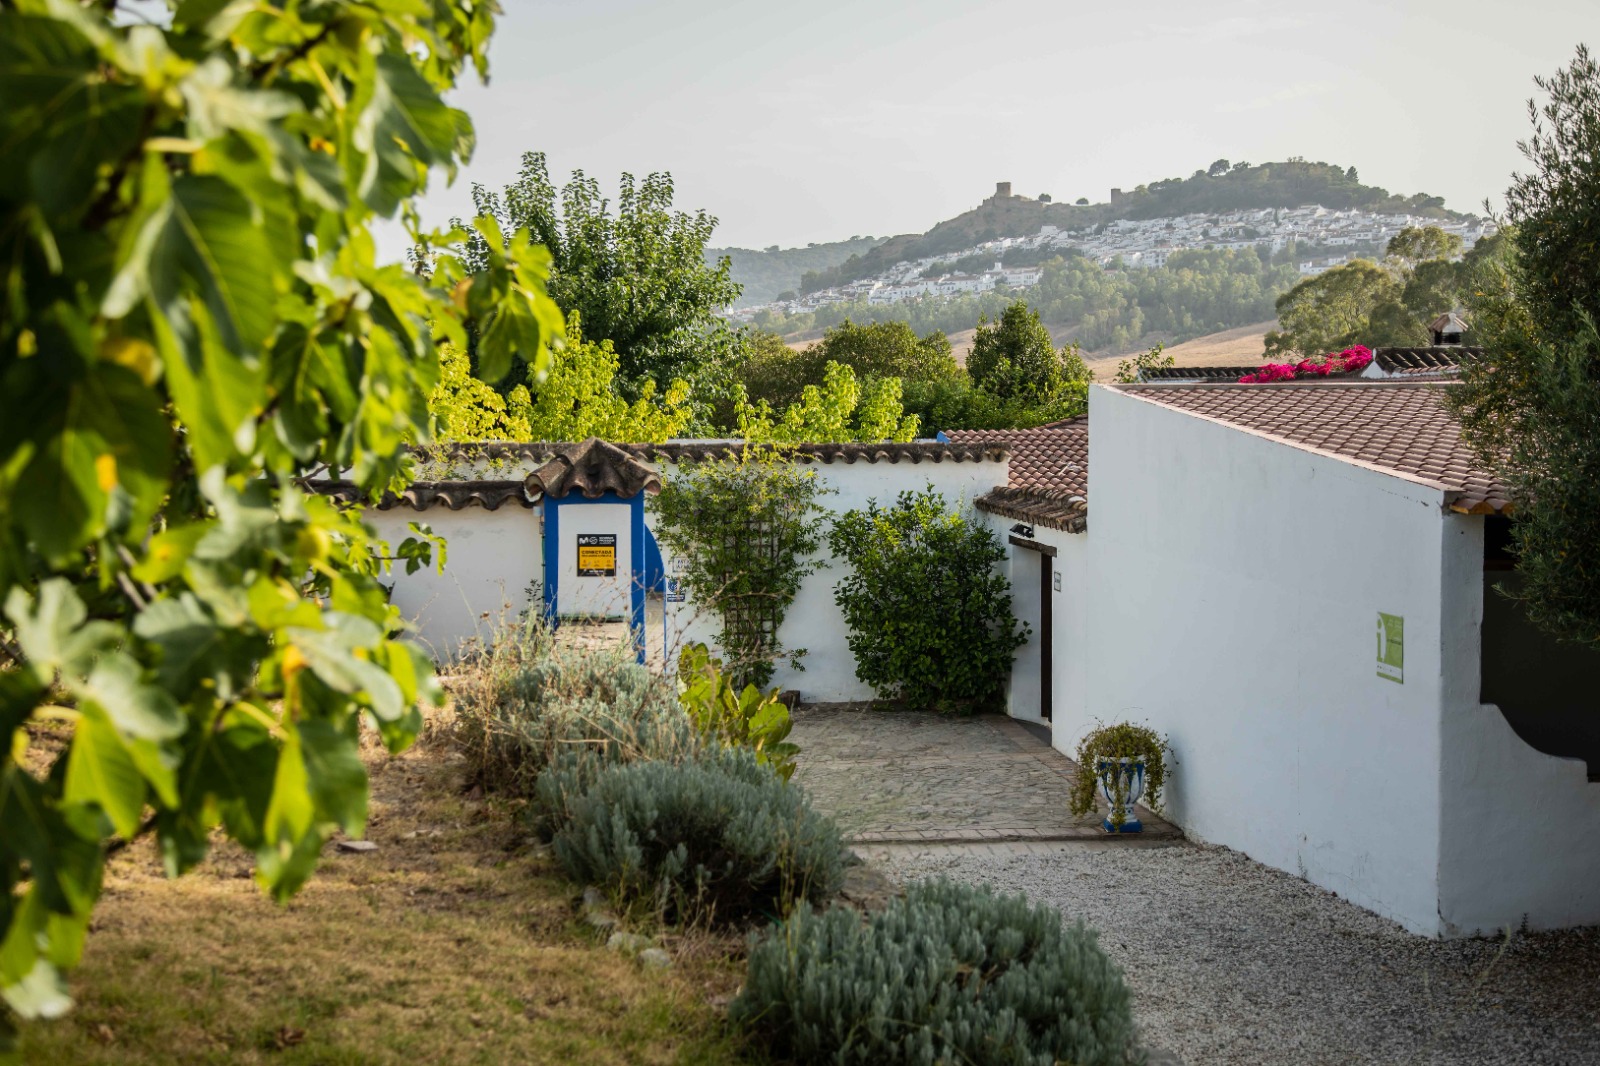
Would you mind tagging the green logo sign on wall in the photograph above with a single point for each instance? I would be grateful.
(1391, 647)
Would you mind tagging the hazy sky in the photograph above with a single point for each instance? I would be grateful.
(812, 122)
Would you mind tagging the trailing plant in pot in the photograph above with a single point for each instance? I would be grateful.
(1127, 762)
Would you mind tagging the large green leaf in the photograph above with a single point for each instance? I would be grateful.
(216, 391)
(203, 237)
(219, 104)
(100, 771)
(290, 825)
(334, 770)
(198, 649)
(331, 657)
(53, 632)
(405, 128)
(138, 709)
(62, 121)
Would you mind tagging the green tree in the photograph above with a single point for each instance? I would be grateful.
(575, 399)
(840, 409)
(1391, 304)
(1417, 244)
(1014, 355)
(1530, 408)
(636, 275)
(1554, 208)
(959, 404)
(777, 374)
(1332, 310)
(195, 321)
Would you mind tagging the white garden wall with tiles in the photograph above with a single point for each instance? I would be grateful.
(814, 622)
(1234, 586)
(494, 567)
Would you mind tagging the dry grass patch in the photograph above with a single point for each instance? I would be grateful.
(454, 942)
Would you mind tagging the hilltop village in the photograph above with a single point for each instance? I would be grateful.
(1320, 237)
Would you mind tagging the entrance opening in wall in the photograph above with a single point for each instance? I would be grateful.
(1047, 642)
(1543, 686)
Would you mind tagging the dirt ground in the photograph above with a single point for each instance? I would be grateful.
(456, 941)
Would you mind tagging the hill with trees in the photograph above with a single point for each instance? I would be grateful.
(769, 272)
(1223, 186)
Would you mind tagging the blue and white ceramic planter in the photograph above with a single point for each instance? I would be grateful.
(1122, 778)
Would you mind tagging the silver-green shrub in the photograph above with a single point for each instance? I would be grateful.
(539, 722)
(949, 974)
(718, 839)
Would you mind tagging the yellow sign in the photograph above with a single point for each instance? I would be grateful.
(597, 555)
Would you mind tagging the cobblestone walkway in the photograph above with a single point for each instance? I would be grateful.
(891, 777)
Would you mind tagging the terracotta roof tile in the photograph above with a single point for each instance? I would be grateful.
(1068, 515)
(592, 469)
(1401, 428)
(1052, 460)
(1433, 358)
(1211, 374)
(1049, 481)
(916, 451)
(421, 495)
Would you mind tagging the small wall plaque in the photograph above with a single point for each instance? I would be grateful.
(1391, 647)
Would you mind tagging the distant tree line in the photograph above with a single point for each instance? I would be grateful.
(1195, 293)
(1423, 274)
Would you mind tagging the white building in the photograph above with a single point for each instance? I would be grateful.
(1295, 584)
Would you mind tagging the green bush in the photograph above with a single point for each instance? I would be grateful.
(718, 838)
(949, 974)
(929, 611)
(748, 718)
(538, 722)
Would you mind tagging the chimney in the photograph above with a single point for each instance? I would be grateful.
(1447, 329)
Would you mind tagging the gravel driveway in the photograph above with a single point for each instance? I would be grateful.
(1231, 962)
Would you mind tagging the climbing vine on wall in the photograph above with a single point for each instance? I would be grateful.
(743, 529)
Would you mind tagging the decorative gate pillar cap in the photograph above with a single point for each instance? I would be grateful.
(592, 469)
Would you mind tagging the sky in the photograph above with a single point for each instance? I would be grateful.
(807, 123)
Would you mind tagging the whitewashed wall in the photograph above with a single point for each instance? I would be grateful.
(492, 559)
(1234, 588)
(594, 597)
(1518, 827)
(814, 621)
(1072, 624)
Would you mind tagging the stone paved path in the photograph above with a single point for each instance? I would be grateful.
(891, 777)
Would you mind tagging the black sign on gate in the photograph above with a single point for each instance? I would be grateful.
(597, 555)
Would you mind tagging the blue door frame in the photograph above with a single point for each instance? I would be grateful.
(638, 553)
